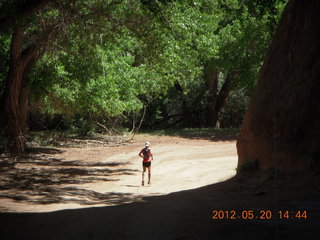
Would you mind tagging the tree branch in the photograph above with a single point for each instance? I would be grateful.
(141, 120)
(23, 10)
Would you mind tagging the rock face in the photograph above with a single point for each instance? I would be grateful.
(281, 128)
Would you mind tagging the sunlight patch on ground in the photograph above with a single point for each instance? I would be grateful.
(117, 178)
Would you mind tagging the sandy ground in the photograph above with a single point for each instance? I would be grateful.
(179, 164)
(96, 193)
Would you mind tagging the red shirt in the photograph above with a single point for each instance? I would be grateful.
(146, 154)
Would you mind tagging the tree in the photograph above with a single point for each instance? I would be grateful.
(243, 37)
(212, 48)
(34, 27)
(281, 127)
(109, 59)
(21, 63)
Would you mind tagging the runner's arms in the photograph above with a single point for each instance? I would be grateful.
(141, 153)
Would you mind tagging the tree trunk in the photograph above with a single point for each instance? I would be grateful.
(25, 93)
(14, 100)
(10, 101)
(24, 108)
(216, 100)
(281, 128)
(212, 83)
(17, 142)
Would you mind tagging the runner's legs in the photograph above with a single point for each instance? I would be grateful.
(144, 170)
(149, 175)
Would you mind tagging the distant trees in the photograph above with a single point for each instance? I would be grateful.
(212, 49)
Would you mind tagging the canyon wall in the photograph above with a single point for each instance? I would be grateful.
(281, 127)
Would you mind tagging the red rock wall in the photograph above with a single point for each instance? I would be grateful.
(282, 125)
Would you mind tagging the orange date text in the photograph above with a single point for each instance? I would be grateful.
(258, 214)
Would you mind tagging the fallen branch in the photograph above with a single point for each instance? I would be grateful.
(104, 127)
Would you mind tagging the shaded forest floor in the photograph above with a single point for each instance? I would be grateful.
(95, 193)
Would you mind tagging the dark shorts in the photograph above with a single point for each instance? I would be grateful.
(146, 164)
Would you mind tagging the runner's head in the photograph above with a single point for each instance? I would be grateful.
(147, 144)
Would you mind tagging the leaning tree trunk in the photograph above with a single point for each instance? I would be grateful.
(221, 99)
(13, 102)
(25, 92)
(281, 128)
(216, 101)
(16, 141)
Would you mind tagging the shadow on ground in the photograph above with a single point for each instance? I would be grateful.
(42, 179)
(46, 150)
(181, 215)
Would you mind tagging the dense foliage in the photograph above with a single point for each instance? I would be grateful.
(112, 60)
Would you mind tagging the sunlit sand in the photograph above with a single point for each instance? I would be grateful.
(178, 165)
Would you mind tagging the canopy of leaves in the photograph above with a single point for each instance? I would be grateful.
(107, 58)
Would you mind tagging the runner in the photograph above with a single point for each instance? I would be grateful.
(147, 156)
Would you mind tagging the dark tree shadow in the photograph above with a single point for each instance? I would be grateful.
(181, 215)
(46, 150)
(76, 195)
(45, 180)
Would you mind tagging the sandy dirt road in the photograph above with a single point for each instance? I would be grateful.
(115, 173)
(95, 193)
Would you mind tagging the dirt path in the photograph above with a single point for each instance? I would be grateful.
(88, 187)
(104, 176)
